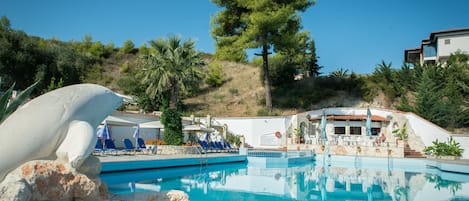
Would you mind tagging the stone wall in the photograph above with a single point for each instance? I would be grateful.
(170, 149)
(352, 150)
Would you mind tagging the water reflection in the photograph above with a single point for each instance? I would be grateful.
(303, 182)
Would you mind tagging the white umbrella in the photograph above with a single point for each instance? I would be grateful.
(323, 126)
(136, 136)
(368, 122)
(103, 133)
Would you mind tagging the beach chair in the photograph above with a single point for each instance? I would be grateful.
(231, 148)
(129, 146)
(98, 148)
(204, 146)
(141, 143)
(110, 147)
(141, 146)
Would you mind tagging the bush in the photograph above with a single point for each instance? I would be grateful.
(171, 120)
(233, 139)
(450, 148)
(8, 106)
(215, 76)
(233, 91)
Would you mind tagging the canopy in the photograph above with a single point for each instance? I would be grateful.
(116, 121)
(151, 124)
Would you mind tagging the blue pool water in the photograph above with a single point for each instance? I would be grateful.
(307, 181)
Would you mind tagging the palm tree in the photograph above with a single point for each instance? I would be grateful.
(171, 67)
(339, 74)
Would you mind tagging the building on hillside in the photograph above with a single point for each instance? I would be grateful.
(439, 46)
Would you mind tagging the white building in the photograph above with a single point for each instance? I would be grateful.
(439, 46)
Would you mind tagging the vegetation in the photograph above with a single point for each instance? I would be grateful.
(8, 106)
(171, 120)
(438, 93)
(171, 67)
(450, 148)
(233, 140)
(401, 133)
(215, 76)
(257, 24)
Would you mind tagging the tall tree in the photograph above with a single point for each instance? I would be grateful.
(264, 24)
(171, 66)
(428, 96)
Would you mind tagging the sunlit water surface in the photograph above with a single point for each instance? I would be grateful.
(308, 181)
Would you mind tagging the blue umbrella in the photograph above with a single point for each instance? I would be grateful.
(136, 136)
(206, 137)
(368, 122)
(323, 126)
(103, 133)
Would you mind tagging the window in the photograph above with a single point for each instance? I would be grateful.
(375, 131)
(429, 51)
(447, 41)
(339, 130)
(355, 130)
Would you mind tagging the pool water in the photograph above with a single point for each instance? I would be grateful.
(307, 181)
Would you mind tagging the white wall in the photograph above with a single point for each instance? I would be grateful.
(253, 129)
(456, 43)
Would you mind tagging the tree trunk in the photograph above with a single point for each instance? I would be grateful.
(174, 96)
(265, 67)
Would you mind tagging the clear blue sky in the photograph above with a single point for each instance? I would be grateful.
(349, 34)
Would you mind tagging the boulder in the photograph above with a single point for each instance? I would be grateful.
(52, 180)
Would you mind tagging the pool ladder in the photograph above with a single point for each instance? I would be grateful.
(203, 159)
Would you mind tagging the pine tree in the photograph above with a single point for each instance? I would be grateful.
(268, 25)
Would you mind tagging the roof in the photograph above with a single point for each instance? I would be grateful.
(447, 31)
(351, 117)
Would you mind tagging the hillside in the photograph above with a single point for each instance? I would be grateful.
(238, 96)
(243, 93)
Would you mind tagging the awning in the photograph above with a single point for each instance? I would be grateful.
(116, 121)
(151, 124)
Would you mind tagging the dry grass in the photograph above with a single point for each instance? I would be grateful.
(238, 96)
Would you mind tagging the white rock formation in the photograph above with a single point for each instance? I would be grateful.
(59, 127)
(53, 180)
(60, 124)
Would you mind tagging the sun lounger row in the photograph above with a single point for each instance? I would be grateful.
(110, 147)
(215, 146)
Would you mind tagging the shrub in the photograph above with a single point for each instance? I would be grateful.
(450, 148)
(8, 106)
(233, 91)
(233, 139)
(171, 120)
(215, 76)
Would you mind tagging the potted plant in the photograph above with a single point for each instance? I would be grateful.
(401, 133)
(297, 133)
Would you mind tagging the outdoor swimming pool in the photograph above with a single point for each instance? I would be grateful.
(321, 180)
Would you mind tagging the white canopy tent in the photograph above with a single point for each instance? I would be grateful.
(116, 121)
(152, 124)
